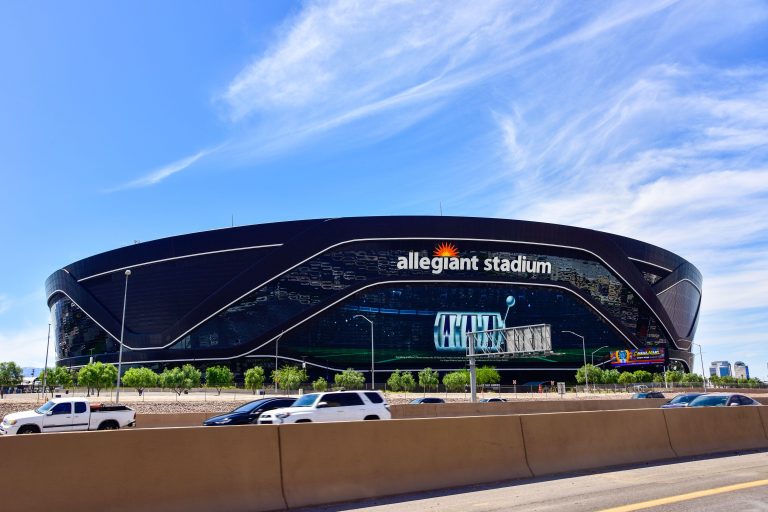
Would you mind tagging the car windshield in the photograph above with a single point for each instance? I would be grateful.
(249, 406)
(709, 401)
(683, 399)
(306, 400)
(45, 407)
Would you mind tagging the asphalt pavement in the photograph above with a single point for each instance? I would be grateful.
(724, 483)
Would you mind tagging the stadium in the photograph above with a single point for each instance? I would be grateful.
(404, 291)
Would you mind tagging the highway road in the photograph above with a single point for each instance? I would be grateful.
(736, 482)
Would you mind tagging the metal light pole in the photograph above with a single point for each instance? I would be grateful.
(45, 368)
(277, 341)
(122, 333)
(598, 350)
(584, 350)
(703, 372)
(373, 379)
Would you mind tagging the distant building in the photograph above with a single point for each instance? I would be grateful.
(740, 370)
(720, 369)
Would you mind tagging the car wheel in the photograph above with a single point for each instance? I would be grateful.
(304, 421)
(28, 429)
(109, 425)
(371, 418)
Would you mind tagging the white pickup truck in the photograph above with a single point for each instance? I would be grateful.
(68, 415)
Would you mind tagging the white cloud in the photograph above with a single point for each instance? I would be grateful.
(164, 172)
(25, 346)
(5, 303)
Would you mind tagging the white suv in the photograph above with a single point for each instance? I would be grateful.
(331, 406)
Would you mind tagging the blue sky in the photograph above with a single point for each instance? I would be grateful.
(126, 121)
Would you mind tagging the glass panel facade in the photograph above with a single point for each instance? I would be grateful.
(411, 305)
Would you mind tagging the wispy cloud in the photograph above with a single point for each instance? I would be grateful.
(25, 346)
(341, 62)
(5, 303)
(158, 175)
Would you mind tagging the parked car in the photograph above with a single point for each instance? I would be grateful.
(427, 400)
(331, 406)
(722, 400)
(250, 412)
(67, 415)
(494, 399)
(682, 400)
(649, 394)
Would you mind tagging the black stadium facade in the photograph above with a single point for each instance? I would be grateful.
(314, 291)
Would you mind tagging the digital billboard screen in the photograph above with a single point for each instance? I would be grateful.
(637, 357)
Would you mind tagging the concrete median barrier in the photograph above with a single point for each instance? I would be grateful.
(190, 419)
(334, 462)
(764, 418)
(179, 469)
(451, 410)
(707, 430)
(560, 442)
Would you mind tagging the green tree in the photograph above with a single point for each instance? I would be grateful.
(181, 379)
(611, 376)
(289, 377)
(692, 378)
(57, 376)
(643, 376)
(393, 382)
(407, 383)
(593, 373)
(456, 381)
(254, 378)
(674, 376)
(97, 376)
(140, 379)
(626, 378)
(218, 377)
(11, 375)
(320, 385)
(349, 379)
(487, 375)
(658, 378)
(428, 379)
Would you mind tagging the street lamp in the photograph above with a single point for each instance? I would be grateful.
(598, 350)
(703, 374)
(584, 349)
(277, 341)
(122, 333)
(373, 380)
(45, 368)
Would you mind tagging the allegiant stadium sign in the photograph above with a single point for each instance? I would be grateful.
(446, 257)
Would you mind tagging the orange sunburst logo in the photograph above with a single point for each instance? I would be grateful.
(446, 250)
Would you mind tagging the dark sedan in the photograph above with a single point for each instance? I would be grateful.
(648, 394)
(428, 400)
(681, 400)
(250, 412)
(722, 400)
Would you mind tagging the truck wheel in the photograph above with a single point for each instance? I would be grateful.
(28, 429)
(304, 421)
(371, 418)
(109, 425)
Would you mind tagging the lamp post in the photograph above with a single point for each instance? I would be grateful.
(584, 350)
(598, 350)
(703, 374)
(277, 342)
(373, 380)
(45, 368)
(122, 334)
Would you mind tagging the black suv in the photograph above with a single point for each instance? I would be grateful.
(250, 412)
